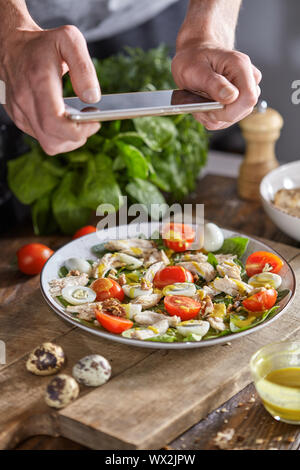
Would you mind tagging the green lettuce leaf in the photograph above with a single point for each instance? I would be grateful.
(235, 246)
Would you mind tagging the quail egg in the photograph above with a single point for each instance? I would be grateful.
(61, 391)
(46, 359)
(213, 237)
(135, 290)
(265, 279)
(92, 371)
(78, 264)
(77, 295)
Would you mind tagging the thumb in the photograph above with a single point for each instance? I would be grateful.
(202, 78)
(74, 52)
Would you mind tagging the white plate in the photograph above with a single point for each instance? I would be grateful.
(81, 247)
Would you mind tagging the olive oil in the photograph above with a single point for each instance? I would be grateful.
(280, 393)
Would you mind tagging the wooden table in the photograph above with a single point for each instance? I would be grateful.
(254, 428)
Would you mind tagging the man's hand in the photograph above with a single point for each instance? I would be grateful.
(206, 61)
(224, 75)
(33, 62)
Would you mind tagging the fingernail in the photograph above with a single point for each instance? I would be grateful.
(226, 93)
(92, 95)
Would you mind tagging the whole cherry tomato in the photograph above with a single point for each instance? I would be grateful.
(84, 231)
(32, 257)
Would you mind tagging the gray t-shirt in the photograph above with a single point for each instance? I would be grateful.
(96, 19)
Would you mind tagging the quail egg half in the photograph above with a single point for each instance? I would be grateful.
(61, 391)
(46, 359)
(92, 371)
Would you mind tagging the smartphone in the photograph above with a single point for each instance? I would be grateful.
(145, 103)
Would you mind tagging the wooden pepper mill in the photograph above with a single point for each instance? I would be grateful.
(261, 130)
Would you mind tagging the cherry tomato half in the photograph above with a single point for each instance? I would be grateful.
(112, 323)
(32, 257)
(84, 231)
(263, 261)
(178, 237)
(184, 307)
(170, 275)
(263, 300)
(107, 288)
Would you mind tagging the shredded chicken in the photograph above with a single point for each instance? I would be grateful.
(148, 300)
(147, 317)
(230, 286)
(56, 285)
(229, 269)
(150, 273)
(217, 323)
(111, 261)
(85, 311)
(132, 246)
(203, 269)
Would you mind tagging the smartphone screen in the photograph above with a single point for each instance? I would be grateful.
(129, 105)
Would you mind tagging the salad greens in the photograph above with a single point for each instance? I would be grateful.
(138, 158)
(226, 313)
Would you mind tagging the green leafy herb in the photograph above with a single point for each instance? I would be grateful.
(235, 246)
(63, 271)
(212, 260)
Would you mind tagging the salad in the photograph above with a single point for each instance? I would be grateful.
(159, 289)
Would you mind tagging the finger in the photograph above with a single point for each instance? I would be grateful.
(243, 78)
(257, 74)
(74, 51)
(202, 78)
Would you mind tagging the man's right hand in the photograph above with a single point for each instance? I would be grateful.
(32, 65)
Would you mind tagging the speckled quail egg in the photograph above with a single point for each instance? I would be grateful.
(46, 359)
(213, 237)
(92, 371)
(78, 264)
(61, 391)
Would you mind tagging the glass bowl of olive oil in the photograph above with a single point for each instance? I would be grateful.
(275, 370)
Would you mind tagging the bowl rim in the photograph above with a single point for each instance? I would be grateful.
(263, 182)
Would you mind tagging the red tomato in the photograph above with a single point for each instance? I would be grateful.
(107, 288)
(171, 274)
(184, 307)
(32, 257)
(178, 237)
(84, 231)
(263, 261)
(112, 323)
(263, 300)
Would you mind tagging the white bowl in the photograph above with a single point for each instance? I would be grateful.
(283, 177)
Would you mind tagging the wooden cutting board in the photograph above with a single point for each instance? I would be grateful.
(153, 395)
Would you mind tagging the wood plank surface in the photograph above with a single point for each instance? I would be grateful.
(142, 378)
(153, 396)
